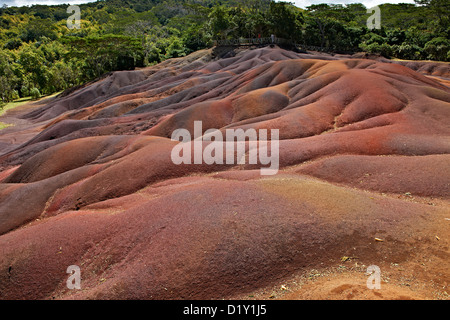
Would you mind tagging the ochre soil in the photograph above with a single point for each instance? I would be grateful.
(86, 179)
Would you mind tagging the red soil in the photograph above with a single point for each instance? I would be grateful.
(86, 179)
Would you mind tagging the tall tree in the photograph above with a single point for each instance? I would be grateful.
(285, 20)
(106, 53)
(220, 22)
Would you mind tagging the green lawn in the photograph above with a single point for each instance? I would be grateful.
(18, 102)
(12, 105)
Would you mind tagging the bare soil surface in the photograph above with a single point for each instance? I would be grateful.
(87, 179)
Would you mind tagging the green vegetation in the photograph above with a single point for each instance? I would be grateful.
(35, 94)
(4, 125)
(39, 55)
(11, 105)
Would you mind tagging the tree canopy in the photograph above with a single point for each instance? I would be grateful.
(37, 50)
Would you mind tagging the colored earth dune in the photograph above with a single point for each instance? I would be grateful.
(86, 179)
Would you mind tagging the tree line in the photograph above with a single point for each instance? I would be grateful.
(40, 55)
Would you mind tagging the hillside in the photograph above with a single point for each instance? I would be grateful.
(39, 55)
(87, 179)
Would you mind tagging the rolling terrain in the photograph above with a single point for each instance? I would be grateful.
(86, 179)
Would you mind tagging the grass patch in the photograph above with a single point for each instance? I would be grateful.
(14, 104)
(4, 125)
(18, 102)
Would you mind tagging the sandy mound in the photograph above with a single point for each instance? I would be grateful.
(364, 151)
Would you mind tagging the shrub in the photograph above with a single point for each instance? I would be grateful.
(175, 49)
(383, 49)
(437, 48)
(35, 94)
(371, 38)
(408, 51)
(25, 91)
(14, 95)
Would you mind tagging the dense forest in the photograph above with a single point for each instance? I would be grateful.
(39, 54)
